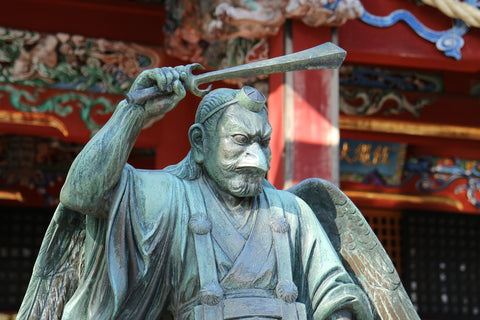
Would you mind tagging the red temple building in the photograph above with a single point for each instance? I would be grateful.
(397, 127)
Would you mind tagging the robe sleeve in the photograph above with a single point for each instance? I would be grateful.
(139, 243)
(97, 169)
(324, 284)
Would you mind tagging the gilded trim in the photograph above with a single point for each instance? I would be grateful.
(405, 198)
(33, 119)
(9, 195)
(409, 128)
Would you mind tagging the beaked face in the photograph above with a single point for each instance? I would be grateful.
(238, 156)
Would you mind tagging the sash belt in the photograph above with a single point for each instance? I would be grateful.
(243, 308)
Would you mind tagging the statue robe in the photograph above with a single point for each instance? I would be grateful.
(141, 261)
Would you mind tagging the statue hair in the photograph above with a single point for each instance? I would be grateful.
(188, 168)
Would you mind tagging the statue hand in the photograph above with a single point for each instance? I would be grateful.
(169, 82)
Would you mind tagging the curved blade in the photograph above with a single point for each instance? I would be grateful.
(325, 56)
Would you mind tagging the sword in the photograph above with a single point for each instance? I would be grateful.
(324, 56)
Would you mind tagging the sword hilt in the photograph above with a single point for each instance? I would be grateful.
(190, 83)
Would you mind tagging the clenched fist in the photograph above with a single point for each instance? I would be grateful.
(169, 82)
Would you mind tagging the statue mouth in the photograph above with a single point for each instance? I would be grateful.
(252, 172)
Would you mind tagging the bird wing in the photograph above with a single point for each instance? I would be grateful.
(58, 267)
(359, 248)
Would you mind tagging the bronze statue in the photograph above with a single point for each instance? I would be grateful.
(209, 237)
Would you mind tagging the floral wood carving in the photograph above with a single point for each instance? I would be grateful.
(261, 18)
(60, 104)
(223, 33)
(71, 61)
(360, 102)
(434, 174)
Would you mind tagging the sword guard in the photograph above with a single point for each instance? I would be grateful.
(190, 83)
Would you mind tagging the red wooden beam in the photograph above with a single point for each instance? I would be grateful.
(400, 46)
(117, 20)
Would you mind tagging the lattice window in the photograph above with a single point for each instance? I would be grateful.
(21, 233)
(442, 264)
(386, 225)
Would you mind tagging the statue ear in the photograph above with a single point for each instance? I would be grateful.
(196, 135)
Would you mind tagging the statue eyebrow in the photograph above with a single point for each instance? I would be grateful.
(244, 127)
(262, 133)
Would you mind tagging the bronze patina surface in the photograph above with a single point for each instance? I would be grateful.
(209, 237)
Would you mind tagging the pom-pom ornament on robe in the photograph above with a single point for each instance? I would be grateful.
(211, 294)
(287, 291)
(199, 225)
(279, 224)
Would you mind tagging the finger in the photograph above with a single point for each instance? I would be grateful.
(182, 71)
(179, 89)
(143, 80)
(161, 78)
(170, 75)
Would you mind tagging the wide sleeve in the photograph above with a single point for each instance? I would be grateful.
(139, 243)
(324, 284)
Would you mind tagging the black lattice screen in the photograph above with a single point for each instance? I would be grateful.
(21, 233)
(441, 264)
(386, 225)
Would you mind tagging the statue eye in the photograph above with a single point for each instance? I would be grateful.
(240, 139)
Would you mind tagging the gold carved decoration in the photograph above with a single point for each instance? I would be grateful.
(33, 119)
(409, 128)
(11, 195)
(405, 198)
(365, 154)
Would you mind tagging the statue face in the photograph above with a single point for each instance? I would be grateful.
(238, 154)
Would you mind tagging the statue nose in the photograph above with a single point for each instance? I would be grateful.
(254, 158)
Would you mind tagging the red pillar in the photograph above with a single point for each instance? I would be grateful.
(275, 114)
(306, 105)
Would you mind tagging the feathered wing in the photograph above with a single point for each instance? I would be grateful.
(58, 268)
(362, 253)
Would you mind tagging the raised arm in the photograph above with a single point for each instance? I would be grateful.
(98, 168)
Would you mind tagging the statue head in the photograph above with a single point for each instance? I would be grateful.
(230, 140)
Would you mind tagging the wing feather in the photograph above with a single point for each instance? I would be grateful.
(361, 251)
(58, 268)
